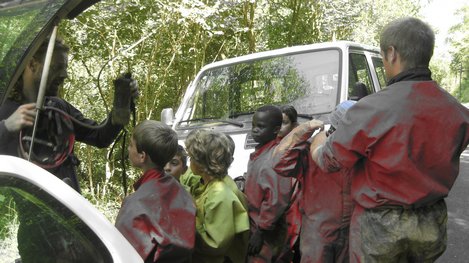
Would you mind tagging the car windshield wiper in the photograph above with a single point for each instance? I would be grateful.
(306, 116)
(300, 115)
(211, 120)
(237, 114)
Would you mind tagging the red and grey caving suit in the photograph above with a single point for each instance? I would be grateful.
(269, 198)
(158, 219)
(100, 137)
(403, 144)
(36, 238)
(325, 204)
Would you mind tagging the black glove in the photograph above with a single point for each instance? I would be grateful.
(125, 91)
(134, 92)
(255, 242)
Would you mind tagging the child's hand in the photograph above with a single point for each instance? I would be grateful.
(255, 243)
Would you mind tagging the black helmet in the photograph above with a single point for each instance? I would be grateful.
(53, 141)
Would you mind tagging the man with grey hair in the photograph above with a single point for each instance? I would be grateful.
(403, 145)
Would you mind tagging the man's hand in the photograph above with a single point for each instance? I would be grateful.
(318, 141)
(134, 92)
(255, 243)
(316, 124)
(21, 118)
(126, 90)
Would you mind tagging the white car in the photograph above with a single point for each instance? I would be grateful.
(71, 217)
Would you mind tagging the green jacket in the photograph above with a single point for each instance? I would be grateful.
(222, 223)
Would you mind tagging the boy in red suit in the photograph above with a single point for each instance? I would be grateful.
(268, 194)
(326, 204)
(158, 219)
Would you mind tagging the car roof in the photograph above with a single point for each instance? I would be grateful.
(343, 45)
(24, 26)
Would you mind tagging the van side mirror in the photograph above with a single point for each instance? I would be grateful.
(167, 116)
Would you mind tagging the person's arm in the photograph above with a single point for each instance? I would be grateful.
(286, 156)
(359, 130)
(318, 141)
(277, 192)
(100, 137)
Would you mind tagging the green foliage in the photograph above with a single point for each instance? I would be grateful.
(459, 40)
(294, 22)
(8, 226)
(373, 17)
(7, 210)
(439, 72)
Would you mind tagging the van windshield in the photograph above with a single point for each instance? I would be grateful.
(308, 81)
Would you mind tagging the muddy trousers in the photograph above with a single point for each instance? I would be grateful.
(396, 234)
(318, 245)
(276, 248)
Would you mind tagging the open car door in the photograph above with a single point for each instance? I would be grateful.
(71, 228)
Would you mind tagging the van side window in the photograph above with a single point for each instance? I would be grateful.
(379, 69)
(360, 83)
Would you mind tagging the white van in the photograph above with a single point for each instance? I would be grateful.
(312, 78)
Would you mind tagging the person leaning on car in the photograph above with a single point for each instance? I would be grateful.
(18, 111)
(400, 172)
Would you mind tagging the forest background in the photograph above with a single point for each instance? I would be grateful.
(164, 43)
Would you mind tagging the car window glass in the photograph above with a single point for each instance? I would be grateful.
(20, 23)
(379, 69)
(308, 81)
(43, 229)
(360, 84)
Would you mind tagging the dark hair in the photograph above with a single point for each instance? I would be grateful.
(274, 112)
(16, 93)
(157, 140)
(181, 152)
(42, 50)
(359, 91)
(413, 39)
(211, 150)
(290, 111)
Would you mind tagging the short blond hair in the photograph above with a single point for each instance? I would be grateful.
(210, 149)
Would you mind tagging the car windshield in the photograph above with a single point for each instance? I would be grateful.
(20, 23)
(308, 81)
